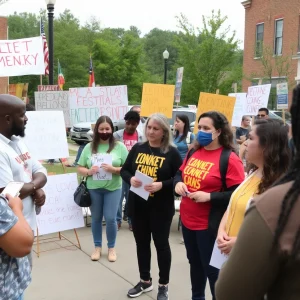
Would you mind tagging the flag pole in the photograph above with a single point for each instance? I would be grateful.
(41, 79)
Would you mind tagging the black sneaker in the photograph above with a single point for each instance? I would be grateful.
(139, 289)
(163, 293)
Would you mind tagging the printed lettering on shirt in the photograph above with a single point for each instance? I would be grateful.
(23, 157)
(149, 164)
(195, 171)
(129, 144)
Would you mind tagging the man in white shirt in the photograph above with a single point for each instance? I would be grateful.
(16, 163)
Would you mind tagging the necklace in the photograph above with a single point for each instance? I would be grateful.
(239, 194)
(151, 149)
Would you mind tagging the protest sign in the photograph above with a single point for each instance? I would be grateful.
(99, 159)
(45, 134)
(88, 104)
(178, 84)
(54, 101)
(48, 88)
(22, 57)
(282, 95)
(157, 98)
(240, 108)
(60, 212)
(257, 97)
(222, 104)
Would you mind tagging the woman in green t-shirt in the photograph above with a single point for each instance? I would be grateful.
(103, 182)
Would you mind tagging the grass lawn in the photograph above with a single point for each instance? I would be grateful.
(72, 152)
(58, 169)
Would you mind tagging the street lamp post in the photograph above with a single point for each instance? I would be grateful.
(166, 57)
(50, 8)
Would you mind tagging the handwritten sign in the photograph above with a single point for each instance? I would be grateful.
(54, 101)
(45, 134)
(60, 212)
(21, 57)
(257, 97)
(99, 159)
(157, 98)
(223, 104)
(48, 88)
(240, 108)
(88, 104)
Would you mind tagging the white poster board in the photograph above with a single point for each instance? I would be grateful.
(240, 108)
(54, 101)
(257, 97)
(99, 159)
(88, 104)
(22, 57)
(60, 212)
(45, 135)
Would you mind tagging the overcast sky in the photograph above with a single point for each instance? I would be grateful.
(145, 15)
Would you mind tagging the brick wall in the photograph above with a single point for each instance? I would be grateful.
(3, 36)
(267, 11)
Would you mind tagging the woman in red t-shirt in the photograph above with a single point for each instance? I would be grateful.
(204, 197)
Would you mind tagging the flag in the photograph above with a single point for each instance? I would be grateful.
(92, 75)
(45, 45)
(61, 78)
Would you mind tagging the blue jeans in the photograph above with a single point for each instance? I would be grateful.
(21, 297)
(80, 149)
(104, 203)
(199, 245)
(124, 194)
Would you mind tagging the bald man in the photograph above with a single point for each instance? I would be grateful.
(16, 163)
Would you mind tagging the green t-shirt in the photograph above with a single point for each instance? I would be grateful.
(119, 155)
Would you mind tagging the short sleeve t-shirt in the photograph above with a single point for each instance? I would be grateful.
(183, 146)
(119, 155)
(241, 131)
(15, 273)
(130, 140)
(202, 173)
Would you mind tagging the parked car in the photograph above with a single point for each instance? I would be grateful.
(190, 113)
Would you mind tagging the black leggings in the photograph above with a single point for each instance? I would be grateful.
(143, 226)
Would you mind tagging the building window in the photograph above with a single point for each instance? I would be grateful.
(278, 37)
(259, 39)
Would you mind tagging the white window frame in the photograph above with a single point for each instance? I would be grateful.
(275, 37)
(256, 54)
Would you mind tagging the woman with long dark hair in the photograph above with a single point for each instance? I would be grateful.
(206, 181)
(265, 261)
(183, 137)
(105, 194)
(268, 154)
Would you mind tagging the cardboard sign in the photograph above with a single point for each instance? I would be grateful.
(54, 101)
(45, 135)
(88, 104)
(157, 98)
(240, 108)
(257, 97)
(22, 57)
(60, 212)
(223, 104)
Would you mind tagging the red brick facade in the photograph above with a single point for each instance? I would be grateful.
(3, 36)
(267, 11)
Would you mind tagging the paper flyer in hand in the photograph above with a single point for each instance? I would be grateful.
(141, 190)
(217, 258)
(99, 159)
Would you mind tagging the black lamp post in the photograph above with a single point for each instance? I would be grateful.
(166, 57)
(50, 8)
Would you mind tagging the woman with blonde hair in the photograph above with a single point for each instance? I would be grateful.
(159, 159)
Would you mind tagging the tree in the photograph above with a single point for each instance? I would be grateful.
(206, 55)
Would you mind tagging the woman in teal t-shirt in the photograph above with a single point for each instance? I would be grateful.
(105, 193)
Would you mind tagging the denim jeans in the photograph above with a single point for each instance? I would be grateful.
(104, 203)
(124, 194)
(199, 245)
(80, 149)
(21, 297)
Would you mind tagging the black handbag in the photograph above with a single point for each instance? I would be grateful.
(82, 196)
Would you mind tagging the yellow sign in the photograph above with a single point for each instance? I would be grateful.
(157, 98)
(19, 90)
(208, 102)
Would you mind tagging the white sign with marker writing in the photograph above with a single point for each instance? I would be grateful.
(99, 159)
(60, 212)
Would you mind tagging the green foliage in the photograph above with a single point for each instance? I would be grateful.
(210, 58)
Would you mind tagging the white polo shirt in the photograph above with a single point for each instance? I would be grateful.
(16, 164)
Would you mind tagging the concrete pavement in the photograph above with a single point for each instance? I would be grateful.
(69, 274)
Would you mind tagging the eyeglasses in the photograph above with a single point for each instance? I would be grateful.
(261, 116)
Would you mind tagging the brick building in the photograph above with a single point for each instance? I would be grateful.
(272, 36)
(3, 36)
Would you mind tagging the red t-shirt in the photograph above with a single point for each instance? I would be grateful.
(202, 173)
(130, 139)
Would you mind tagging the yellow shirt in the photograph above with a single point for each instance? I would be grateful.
(238, 204)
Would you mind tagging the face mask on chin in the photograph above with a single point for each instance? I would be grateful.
(205, 138)
(104, 136)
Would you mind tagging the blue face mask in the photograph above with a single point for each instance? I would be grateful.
(204, 138)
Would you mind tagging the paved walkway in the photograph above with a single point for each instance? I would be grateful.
(69, 274)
